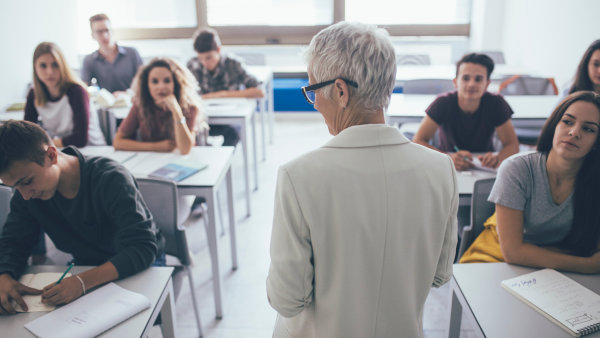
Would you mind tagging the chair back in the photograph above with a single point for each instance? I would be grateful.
(481, 210)
(5, 196)
(162, 200)
(413, 59)
(427, 86)
(528, 85)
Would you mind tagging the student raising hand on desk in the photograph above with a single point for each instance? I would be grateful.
(166, 111)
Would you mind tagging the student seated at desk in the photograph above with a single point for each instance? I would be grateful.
(166, 110)
(89, 206)
(220, 75)
(113, 66)
(547, 202)
(59, 102)
(468, 117)
(587, 76)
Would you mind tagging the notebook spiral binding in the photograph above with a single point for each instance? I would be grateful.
(589, 329)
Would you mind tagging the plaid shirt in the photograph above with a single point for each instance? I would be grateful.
(229, 75)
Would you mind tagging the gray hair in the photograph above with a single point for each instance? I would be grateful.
(358, 52)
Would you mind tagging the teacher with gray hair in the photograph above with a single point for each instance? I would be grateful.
(366, 224)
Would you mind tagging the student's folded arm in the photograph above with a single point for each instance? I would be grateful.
(135, 239)
(120, 142)
(508, 138)
(443, 272)
(516, 251)
(426, 132)
(290, 280)
(254, 92)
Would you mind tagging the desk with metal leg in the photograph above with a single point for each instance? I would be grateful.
(154, 283)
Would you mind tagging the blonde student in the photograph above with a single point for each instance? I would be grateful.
(59, 101)
(547, 202)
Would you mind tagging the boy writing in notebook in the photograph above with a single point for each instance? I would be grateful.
(469, 116)
(89, 206)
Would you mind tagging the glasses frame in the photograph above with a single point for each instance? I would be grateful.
(319, 85)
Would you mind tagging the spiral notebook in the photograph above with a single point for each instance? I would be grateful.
(567, 303)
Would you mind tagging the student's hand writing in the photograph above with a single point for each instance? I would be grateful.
(489, 160)
(165, 146)
(462, 160)
(11, 289)
(65, 292)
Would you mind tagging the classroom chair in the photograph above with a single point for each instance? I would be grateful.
(528, 85)
(413, 59)
(427, 86)
(5, 196)
(481, 210)
(162, 198)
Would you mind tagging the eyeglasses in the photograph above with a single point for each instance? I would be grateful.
(309, 91)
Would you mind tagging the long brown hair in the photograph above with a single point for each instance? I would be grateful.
(582, 76)
(67, 77)
(582, 240)
(185, 89)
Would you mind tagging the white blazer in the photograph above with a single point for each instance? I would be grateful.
(363, 227)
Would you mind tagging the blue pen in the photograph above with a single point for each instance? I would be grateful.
(457, 150)
(65, 273)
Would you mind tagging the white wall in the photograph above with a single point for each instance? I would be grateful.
(487, 20)
(549, 36)
(24, 24)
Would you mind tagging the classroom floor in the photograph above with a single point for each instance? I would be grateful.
(246, 310)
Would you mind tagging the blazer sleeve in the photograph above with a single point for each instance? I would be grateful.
(443, 272)
(290, 280)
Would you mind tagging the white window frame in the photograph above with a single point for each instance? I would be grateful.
(272, 35)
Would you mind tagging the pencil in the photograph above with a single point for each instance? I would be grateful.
(65, 273)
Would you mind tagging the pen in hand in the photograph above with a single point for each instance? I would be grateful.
(65, 273)
(464, 158)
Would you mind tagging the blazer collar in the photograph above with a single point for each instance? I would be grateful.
(367, 135)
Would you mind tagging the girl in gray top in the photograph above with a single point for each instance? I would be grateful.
(547, 203)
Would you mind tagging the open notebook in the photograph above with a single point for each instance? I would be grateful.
(37, 281)
(91, 314)
(567, 303)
